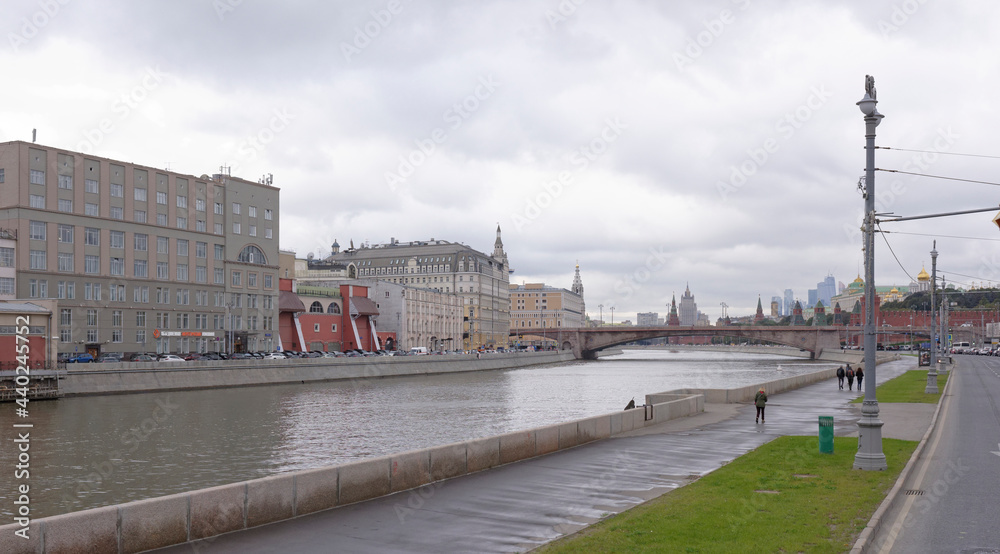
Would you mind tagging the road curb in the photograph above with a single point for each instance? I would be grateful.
(875, 523)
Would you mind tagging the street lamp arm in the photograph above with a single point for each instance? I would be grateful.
(929, 216)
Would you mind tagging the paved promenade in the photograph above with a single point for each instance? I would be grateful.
(519, 506)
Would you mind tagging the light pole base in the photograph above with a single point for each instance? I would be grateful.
(932, 386)
(870, 456)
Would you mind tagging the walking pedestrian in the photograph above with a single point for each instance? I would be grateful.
(850, 378)
(760, 400)
(860, 374)
(840, 376)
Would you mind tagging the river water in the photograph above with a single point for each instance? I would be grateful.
(102, 450)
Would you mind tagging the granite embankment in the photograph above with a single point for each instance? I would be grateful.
(118, 378)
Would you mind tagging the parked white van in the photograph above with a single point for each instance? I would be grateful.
(418, 351)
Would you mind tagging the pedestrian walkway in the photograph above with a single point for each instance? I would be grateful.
(519, 506)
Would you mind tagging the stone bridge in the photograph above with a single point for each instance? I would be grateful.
(586, 341)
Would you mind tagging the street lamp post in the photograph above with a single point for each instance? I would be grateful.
(612, 316)
(932, 375)
(601, 308)
(870, 455)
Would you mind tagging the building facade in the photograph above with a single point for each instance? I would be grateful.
(140, 259)
(688, 310)
(480, 281)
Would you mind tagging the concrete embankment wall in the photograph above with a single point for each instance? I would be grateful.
(771, 350)
(89, 379)
(179, 518)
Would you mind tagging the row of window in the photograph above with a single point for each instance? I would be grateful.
(181, 321)
(39, 288)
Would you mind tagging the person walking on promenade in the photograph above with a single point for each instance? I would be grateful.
(860, 374)
(760, 400)
(850, 378)
(840, 376)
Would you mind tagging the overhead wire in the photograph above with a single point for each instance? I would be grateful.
(900, 264)
(941, 153)
(937, 176)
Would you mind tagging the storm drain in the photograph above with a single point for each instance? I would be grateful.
(914, 492)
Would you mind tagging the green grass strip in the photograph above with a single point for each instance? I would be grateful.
(783, 497)
(908, 387)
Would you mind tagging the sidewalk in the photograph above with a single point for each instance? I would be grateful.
(520, 506)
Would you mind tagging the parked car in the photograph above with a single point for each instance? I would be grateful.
(84, 358)
(142, 358)
(109, 358)
(169, 358)
(275, 356)
(333, 355)
(241, 356)
(193, 356)
(212, 356)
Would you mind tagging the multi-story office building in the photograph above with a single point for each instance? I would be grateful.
(480, 280)
(536, 305)
(648, 319)
(788, 303)
(139, 258)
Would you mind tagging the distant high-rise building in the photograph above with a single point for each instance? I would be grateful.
(776, 306)
(649, 319)
(812, 297)
(789, 301)
(826, 290)
(688, 310)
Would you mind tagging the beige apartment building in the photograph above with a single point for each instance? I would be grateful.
(539, 306)
(140, 259)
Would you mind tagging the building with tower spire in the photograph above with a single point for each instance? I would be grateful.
(688, 310)
(540, 306)
(578, 289)
(673, 319)
(759, 316)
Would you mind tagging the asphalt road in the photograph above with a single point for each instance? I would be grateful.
(953, 494)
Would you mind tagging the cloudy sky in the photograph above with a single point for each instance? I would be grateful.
(715, 143)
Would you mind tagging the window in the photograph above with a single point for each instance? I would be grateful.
(117, 239)
(237, 279)
(316, 327)
(90, 186)
(91, 209)
(162, 245)
(66, 233)
(200, 250)
(116, 318)
(268, 302)
(37, 259)
(267, 281)
(91, 335)
(182, 202)
(161, 220)
(220, 276)
(140, 336)
(140, 319)
(236, 227)
(253, 230)
(267, 214)
(139, 195)
(65, 205)
(36, 230)
(65, 316)
(37, 201)
(140, 295)
(116, 293)
(117, 213)
(333, 308)
(182, 247)
(199, 204)
(117, 191)
(267, 233)
(66, 182)
(118, 266)
(141, 242)
(92, 318)
(161, 198)
(139, 268)
(37, 177)
(140, 216)
(201, 274)
(220, 252)
(251, 279)
(252, 211)
(182, 222)
(116, 335)
(65, 261)
(91, 265)
(183, 297)
(162, 271)
(217, 228)
(316, 308)
(252, 255)
(199, 225)
(6, 257)
(162, 295)
(236, 208)
(182, 272)
(218, 208)
(65, 334)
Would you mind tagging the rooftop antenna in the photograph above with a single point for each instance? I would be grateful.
(34, 135)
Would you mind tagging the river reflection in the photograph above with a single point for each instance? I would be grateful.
(102, 450)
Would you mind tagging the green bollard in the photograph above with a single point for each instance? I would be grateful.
(826, 435)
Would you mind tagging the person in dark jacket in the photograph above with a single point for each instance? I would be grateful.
(850, 378)
(760, 400)
(860, 374)
(840, 376)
